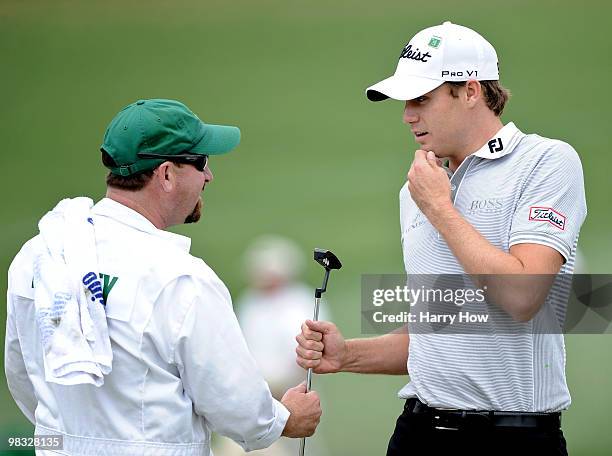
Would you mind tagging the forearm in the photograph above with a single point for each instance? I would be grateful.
(475, 253)
(17, 378)
(510, 284)
(386, 354)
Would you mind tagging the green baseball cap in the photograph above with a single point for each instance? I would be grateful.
(162, 127)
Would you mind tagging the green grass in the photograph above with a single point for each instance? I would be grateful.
(318, 162)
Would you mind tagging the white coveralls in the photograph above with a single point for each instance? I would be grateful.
(181, 368)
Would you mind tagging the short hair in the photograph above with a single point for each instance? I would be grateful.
(495, 95)
(132, 183)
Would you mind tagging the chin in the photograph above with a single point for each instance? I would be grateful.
(436, 150)
(196, 214)
(427, 146)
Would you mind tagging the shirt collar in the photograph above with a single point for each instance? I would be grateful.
(107, 207)
(502, 143)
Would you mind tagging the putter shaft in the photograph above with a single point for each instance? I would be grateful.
(309, 374)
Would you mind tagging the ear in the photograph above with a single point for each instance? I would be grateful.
(166, 177)
(473, 92)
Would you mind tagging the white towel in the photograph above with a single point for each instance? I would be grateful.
(68, 297)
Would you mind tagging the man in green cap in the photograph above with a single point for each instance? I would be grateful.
(136, 349)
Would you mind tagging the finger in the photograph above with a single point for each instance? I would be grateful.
(410, 174)
(420, 155)
(314, 345)
(301, 388)
(314, 396)
(308, 363)
(308, 354)
(301, 340)
(321, 327)
(309, 344)
(439, 160)
(310, 334)
(431, 158)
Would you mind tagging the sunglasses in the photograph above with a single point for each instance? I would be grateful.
(199, 161)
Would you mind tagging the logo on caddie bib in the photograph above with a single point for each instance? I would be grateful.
(547, 214)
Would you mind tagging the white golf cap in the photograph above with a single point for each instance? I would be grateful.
(447, 52)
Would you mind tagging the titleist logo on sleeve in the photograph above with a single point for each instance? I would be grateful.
(547, 214)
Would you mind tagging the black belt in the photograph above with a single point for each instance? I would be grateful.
(452, 419)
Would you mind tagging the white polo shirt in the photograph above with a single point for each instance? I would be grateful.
(516, 189)
(181, 368)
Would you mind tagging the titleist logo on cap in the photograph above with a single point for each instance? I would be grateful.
(408, 53)
(450, 52)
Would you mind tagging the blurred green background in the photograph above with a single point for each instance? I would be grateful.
(317, 163)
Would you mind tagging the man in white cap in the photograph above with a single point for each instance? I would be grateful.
(504, 203)
(137, 349)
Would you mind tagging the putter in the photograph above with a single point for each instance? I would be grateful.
(329, 261)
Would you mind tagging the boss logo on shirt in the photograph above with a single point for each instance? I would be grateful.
(486, 205)
(547, 214)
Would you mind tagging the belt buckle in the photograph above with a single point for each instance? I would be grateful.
(438, 418)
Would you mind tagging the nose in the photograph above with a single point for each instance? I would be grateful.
(208, 175)
(410, 115)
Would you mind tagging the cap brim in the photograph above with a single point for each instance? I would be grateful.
(217, 139)
(401, 88)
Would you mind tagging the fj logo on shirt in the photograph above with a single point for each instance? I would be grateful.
(495, 145)
(547, 214)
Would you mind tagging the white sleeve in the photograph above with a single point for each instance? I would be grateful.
(552, 205)
(17, 378)
(218, 372)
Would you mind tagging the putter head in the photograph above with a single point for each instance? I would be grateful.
(327, 259)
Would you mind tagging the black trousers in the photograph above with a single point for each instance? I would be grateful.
(415, 434)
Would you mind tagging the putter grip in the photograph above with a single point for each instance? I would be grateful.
(314, 318)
